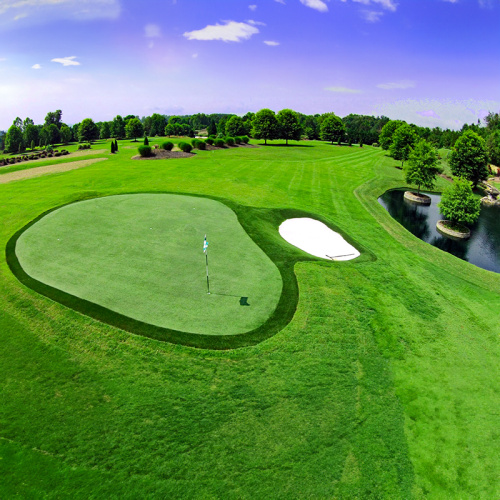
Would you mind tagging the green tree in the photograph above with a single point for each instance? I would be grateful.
(88, 131)
(493, 147)
(158, 123)
(66, 134)
(458, 203)
(118, 127)
(385, 137)
(44, 136)
(54, 135)
(469, 158)
(332, 128)
(403, 140)
(235, 126)
(30, 134)
(288, 125)
(13, 139)
(212, 128)
(422, 167)
(26, 123)
(134, 129)
(53, 118)
(265, 125)
(105, 130)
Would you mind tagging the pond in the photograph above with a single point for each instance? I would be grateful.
(483, 247)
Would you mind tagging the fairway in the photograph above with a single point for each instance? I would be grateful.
(140, 255)
(374, 377)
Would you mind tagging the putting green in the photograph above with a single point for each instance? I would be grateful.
(141, 256)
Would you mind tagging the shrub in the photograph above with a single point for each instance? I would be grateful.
(230, 141)
(146, 141)
(209, 141)
(49, 149)
(145, 151)
(195, 142)
(184, 146)
(237, 140)
(57, 153)
(213, 137)
(375, 144)
(167, 146)
(219, 143)
(49, 155)
(112, 146)
(245, 139)
(201, 145)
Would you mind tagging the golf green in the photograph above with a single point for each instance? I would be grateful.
(141, 256)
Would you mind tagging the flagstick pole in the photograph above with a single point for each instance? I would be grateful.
(208, 282)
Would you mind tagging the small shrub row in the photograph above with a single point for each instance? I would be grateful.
(185, 147)
(84, 146)
(34, 156)
(145, 151)
(198, 144)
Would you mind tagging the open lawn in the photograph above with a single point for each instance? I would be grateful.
(383, 385)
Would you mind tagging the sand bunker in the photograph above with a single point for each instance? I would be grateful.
(317, 239)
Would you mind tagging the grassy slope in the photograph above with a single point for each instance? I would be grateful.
(383, 385)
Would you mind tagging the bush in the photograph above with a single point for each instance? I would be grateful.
(237, 140)
(375, 144)
(49, 149)
(145, 151)
(209, 141)
(167, 146)
(195, 142)
(57, 153)
(146, 141)
(201, 145)
(49, 155)
(245, 139)
(219, 143)
(230, 141)
(185, 147)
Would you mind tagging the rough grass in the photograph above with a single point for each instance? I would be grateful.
(384, 384)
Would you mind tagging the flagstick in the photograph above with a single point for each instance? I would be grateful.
(208, 283)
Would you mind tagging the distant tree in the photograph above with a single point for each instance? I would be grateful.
(332, 128)
(493, 147)
(53, 118)
(27, 122)
(169, 130)
(134, 129)
(13, 139)
(492, 121)
(186, 130)
(212, 128)
(88, 131)
(44, 136)
(422, 167)
(385, 137)
(403, 140)
(128, 118)
(458, 203)
(118, 127)
(66, 134)
(235, 126)
(221, 126)
(30, 134)
(311, 127)
(105, 130)
(18, 123)
(54, 135)
(469, 158)
(265, 125)
(158, 123)
(116, 145)
(288, 125)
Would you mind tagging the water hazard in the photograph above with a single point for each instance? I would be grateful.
(483, 247)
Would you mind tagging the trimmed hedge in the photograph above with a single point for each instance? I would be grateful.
(219, 143)
(145, 151)
(245, 139)
(209, 141)
(185, 147)
(230, 141)
(167, 146)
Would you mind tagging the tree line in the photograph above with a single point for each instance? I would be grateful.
(265, 124)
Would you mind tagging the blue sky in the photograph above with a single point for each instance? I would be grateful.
(431, 62)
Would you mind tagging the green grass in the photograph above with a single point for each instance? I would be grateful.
(383, 385)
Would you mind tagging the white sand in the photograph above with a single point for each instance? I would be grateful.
(317, 239)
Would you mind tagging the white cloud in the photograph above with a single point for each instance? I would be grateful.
(343, 90)
(252, 7)
(282, 2)
(40, 11)
(386, 4)
(231, 31)
(66, 61)
(401, 85)
(371, 16)
(255, 23)
(271, 43)
(315, 4)
(451, 1)
(152, 31)
(195, 56)
(36, 66)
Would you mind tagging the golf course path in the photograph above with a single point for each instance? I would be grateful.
(48, 169)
